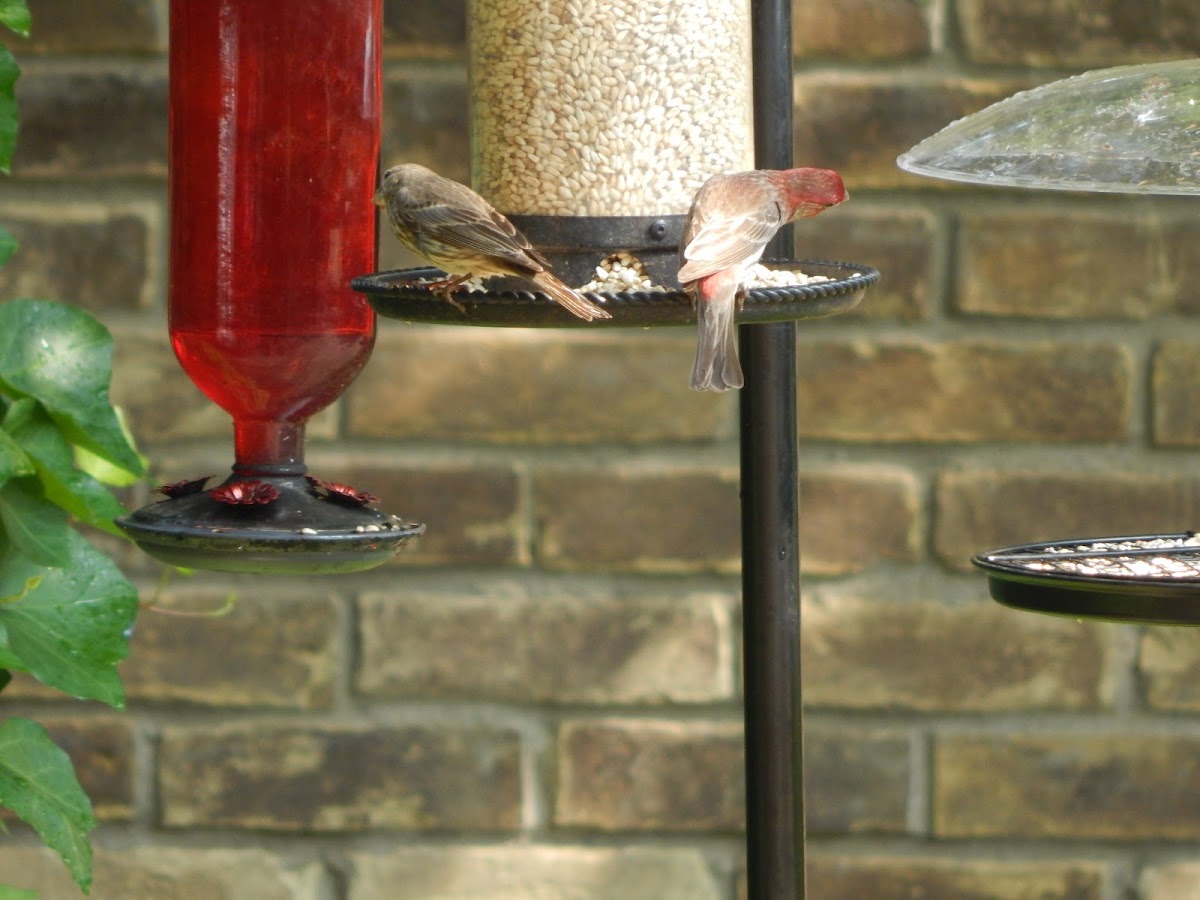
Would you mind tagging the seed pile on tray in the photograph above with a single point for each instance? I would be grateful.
(625, 272)
(621, 272)
(1124, 559)
(615, 109)
(762, 277)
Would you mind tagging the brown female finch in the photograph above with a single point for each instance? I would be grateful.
(732, 219)
(458, 231)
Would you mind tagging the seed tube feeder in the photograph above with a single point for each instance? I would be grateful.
(1129, 129)
(611, 114)
(274, 143)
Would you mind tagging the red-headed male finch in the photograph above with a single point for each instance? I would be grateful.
(732, 219)
(458, 231)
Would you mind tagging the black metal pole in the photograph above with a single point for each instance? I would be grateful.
(770, 523)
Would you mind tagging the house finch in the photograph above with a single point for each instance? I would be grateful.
(732, 219)
(459, 232)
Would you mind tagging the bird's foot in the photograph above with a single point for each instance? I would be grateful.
(445, 286)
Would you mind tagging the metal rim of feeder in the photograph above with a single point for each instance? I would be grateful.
(199, 531)
(400, 294)
(1149, 578)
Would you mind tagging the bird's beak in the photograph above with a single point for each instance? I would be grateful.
(379, 199)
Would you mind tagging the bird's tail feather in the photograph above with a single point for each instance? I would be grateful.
(571, 300)
(717, 367)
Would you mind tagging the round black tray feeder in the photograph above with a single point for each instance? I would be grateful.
(401, 294)
(1129, 129)
(1152, 579)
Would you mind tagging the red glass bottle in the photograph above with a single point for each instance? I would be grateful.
(274, 145)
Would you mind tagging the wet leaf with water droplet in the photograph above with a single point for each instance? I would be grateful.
(69, 631)
(61, 356)
(38, 783)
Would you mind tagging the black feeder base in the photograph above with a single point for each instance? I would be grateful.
(403, 294)
(576, 245)
(298, 533)
(1152, 579)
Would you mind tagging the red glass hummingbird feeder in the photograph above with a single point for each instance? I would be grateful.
(274, 146)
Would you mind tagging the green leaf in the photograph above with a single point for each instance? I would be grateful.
(61, 356)
(13, 893)
(17, 413)
(8, 246)
(35, 528)
(38, 783)
(7, 660)
(9, 73)
(72, 629)
(53, 459)
(14, 463)
(104, 471)
(15, 15)
(30, 583)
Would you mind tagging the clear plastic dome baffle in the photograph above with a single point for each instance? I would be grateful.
(1129, 129)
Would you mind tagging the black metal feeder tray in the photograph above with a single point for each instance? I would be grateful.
(1152, 579)
(404, 294)
(299, 532)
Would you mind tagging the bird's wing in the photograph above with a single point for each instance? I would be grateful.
(469, 224)
(719, 239)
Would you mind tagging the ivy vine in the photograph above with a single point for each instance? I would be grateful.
(66, 610)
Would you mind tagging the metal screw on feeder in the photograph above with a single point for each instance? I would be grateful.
(271, 215)
(1129, 129)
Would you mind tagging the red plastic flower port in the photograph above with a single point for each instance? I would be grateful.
(182, 488)
(341, 493)
(245, 493)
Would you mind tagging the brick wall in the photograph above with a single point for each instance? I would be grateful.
(541, 699)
